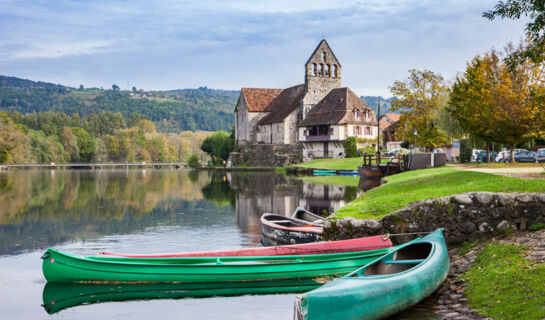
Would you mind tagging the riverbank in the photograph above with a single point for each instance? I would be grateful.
(501, 278)
(411, 186)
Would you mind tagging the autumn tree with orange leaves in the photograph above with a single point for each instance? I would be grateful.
(498, 102)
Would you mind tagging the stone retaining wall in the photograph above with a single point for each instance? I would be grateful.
(265, 155)
(465, 217)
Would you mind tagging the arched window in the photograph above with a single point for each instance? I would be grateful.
(335, 70)
(321, 70)
(314, 71)
(323, 56)
(328, 70)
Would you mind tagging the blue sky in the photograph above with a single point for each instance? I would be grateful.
(231, 44)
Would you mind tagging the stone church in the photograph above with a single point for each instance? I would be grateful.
(318, 115)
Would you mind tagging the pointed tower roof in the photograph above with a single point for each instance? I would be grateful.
(323, 46)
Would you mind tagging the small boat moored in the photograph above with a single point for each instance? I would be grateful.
(284, 229)
(324, 172)
(63, 267)
(350, 245)
(349, 173)
(393, 282)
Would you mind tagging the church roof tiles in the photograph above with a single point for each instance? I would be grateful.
(257, 99)
(338, 107)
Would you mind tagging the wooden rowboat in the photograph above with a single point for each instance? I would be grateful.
(284, 229)
(63, 267)
(394, 282)
(358, 244)
(60, 296)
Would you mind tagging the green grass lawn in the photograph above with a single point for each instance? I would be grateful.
(333, 180)
(504, 285)
(407, 187)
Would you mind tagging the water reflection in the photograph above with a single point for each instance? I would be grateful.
(43, 208)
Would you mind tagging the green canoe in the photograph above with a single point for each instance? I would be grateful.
(383, 287)
(59, 296)
(62, 267)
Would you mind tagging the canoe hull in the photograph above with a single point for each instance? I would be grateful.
(377, 297)
(62, 267)
(351, 245)
(304, 233)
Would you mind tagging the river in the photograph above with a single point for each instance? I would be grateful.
(139, 211)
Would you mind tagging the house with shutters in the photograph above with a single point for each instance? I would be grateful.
(317, 115)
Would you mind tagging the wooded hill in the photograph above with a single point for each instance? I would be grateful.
(171, 111)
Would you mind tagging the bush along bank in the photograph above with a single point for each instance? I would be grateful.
(465, 217)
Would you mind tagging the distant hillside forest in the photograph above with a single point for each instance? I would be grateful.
(171, 111)
(385, 104)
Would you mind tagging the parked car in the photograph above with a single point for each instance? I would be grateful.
(502, 156)
(481, 157)
(474, 154)
(507, 155)
(438, 150)
(525, 156)
(396, 151)
(540, 155)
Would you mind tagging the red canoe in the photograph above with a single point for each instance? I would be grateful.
(352, 245)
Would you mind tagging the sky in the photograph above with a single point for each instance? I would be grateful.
(173, 44)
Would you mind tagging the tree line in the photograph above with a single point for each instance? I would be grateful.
(498, 99)
(103, 137)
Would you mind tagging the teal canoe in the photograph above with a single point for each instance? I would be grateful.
(324, 172)
(60, 296)
(383, 287)
(62, 267)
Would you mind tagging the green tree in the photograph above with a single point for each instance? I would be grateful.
(419, 98)
(70, 144)
(218, 146)
(350, 147)
(112, 147)
(86, 144)
(193, 161)
(115, 87)
(534, 11)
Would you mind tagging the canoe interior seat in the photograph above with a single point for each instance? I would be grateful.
(399, 261)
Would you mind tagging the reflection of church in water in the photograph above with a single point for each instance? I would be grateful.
(260, 193)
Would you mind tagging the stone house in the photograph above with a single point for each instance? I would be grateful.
(277, 116)
(389, 122)
(339, 115)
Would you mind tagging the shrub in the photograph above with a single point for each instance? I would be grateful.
(193, 161)
(465, 151)
(537, 226)
(350, 147)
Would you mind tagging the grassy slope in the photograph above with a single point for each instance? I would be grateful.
(504, 285)
(407, 187)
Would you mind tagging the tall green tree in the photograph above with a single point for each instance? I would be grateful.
(419, 98)
(532, 10)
